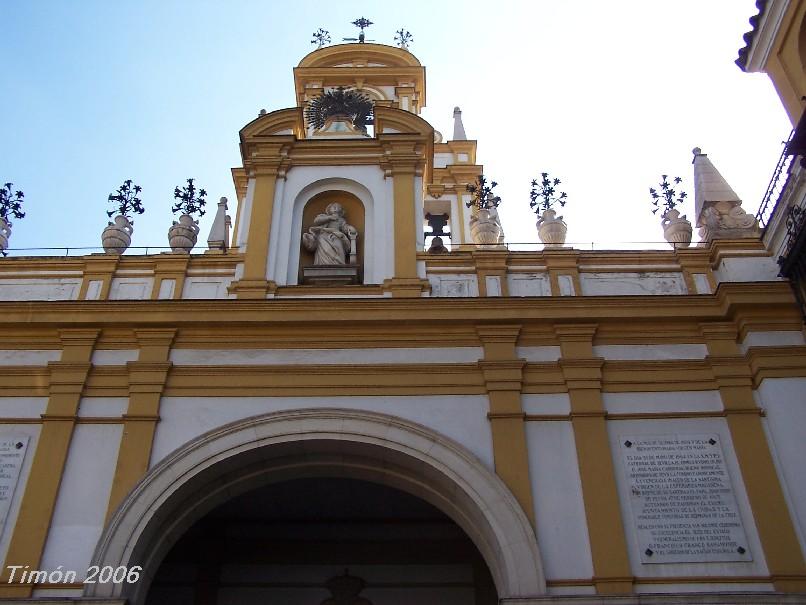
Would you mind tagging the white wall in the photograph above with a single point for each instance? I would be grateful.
(622, 284)
(562, 529)
(784, 400)
(462, 418)
(40, 289)
(83, 497)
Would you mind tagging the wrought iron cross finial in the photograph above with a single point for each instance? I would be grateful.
(321, 37)
(361, 24)
(403, 38)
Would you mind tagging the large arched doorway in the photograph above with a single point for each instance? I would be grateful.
(304, 541)
(319, 443)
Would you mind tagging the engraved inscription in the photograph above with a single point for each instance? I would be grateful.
(12, 453)
(682, 501)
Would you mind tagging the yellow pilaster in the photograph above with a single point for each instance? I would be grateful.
(770, 511)
(98, 268)
(583, 378)
(491, 263)
(503, 379)
(562, 262)
(405, 162)
(170, 267)
(253, 284)
(66, 383)
(147, 378)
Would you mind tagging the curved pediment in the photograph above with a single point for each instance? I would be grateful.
(359, 55)
(389, 120)
(281, 122)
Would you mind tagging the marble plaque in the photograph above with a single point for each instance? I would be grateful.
(682, 501)
(12, 453)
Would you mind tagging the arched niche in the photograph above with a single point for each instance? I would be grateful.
(236, 458)
(376, 250)
(354, 214)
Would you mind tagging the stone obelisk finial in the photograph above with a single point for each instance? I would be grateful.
(718, 209)
(458, 127)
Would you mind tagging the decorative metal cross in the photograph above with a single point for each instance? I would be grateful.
(362, 24)
(321, 37)
(403, 38)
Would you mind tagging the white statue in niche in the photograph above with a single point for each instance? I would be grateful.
(331, 238)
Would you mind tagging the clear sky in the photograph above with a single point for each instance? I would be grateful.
(605, 95)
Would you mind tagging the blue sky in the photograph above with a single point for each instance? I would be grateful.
(607, 96)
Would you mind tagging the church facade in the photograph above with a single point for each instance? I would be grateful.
(353, 397)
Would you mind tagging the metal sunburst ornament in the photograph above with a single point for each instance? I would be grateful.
(321, 37)
(403, 38)
(361, 24)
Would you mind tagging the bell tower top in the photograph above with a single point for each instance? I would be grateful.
(390, 76)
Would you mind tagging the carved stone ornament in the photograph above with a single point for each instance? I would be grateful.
(551, 229)
(727, 220)
(183, 234)
(5, 233)
(485, 227)
(676, 229)
(117, 236)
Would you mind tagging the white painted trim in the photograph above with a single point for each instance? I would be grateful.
(20, 357)
(651, 352)
(765, 34)
(111, 357)
(544, 354)
(401, 355)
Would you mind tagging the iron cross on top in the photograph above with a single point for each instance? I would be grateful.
(361, 24)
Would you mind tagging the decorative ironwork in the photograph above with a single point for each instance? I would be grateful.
(483, 196)
(795, 217)
(403, 38)
(777, 184)
(361, 24)
(350, 103)
(126, 200)
(668, 198)
(11, 203)
(793, 260)
(321, 37)
(543, 194)
(190, 200)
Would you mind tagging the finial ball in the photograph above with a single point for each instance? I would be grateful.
(696, 151)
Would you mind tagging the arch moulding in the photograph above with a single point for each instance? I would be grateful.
(238, 457)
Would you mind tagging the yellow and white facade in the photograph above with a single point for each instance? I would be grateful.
(451, 430)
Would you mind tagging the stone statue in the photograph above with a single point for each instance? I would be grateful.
(331, 238)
